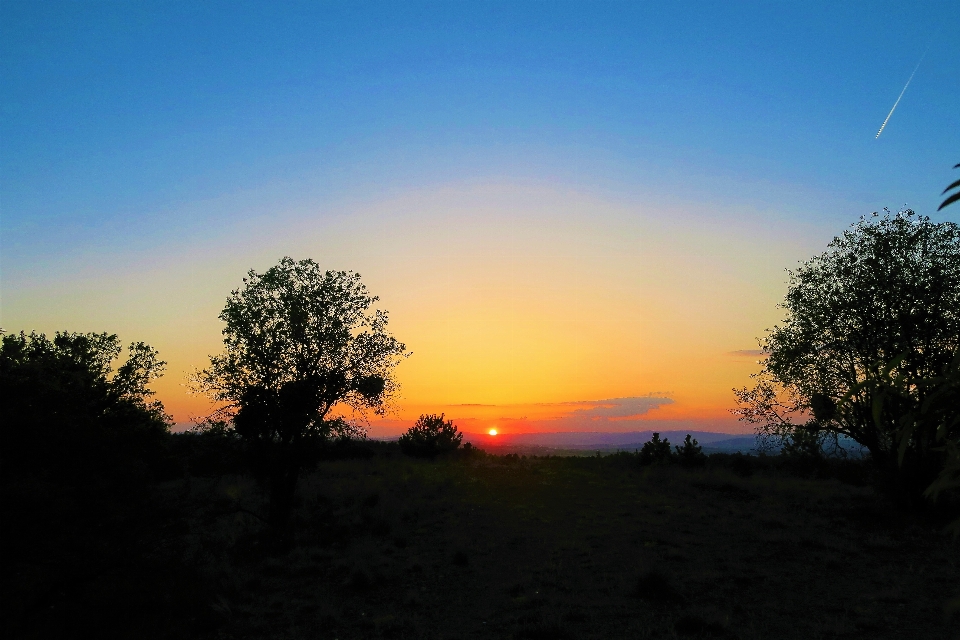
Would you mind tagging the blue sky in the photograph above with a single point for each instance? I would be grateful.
(129, 129)
(119, 108)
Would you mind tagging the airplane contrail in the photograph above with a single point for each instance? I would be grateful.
(887, 119)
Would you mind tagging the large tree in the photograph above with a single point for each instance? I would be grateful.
(300, 344)
(879, 310)
(66, 410)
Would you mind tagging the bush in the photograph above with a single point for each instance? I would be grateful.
(656, 451)
(468, 452)
(430, 436)
(690, 453)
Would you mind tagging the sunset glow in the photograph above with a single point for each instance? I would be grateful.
(572, 224)
(366, 319)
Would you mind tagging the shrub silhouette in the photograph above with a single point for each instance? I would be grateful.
(470, 451)
(690, 453)
(430, 436)
(656, 451)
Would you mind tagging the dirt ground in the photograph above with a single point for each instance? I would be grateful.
(573, 548)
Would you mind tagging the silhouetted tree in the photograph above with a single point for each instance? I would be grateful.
(882, 302)
(430, 436)
(656, 451)
(690, 453)
(66, 409)
(298, 342)
(92, 549)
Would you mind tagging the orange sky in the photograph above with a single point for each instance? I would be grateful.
(525, 298)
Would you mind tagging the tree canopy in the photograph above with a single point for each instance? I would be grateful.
(296, 326)
(883, 300)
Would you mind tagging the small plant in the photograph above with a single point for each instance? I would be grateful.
(690, 453)
(656, 451)
(430, 436)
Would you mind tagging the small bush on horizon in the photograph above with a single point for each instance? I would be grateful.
(656, 451)
(690, 453)
(430, 436)
(469, 451)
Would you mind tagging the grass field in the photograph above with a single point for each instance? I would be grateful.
(505, 547)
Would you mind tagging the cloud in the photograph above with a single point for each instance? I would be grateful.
(613, 414)
(617, 408)
(747, 353)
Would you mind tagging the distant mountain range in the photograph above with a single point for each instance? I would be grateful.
(606, 442)
(587, 442)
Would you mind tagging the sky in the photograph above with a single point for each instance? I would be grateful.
(579, 215)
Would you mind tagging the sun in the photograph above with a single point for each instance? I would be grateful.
(492, 432)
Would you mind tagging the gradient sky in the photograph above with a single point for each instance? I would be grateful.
(579, 215)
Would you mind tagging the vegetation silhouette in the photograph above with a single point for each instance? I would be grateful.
(430, 437)
(883, 301)
(298, 342)
(690, 453)
(954, 197)
(655, 451)
(91, 547)
(68, 411)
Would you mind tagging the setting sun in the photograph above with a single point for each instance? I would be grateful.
(349, 239)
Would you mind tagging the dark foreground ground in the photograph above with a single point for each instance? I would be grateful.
(492, 547)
